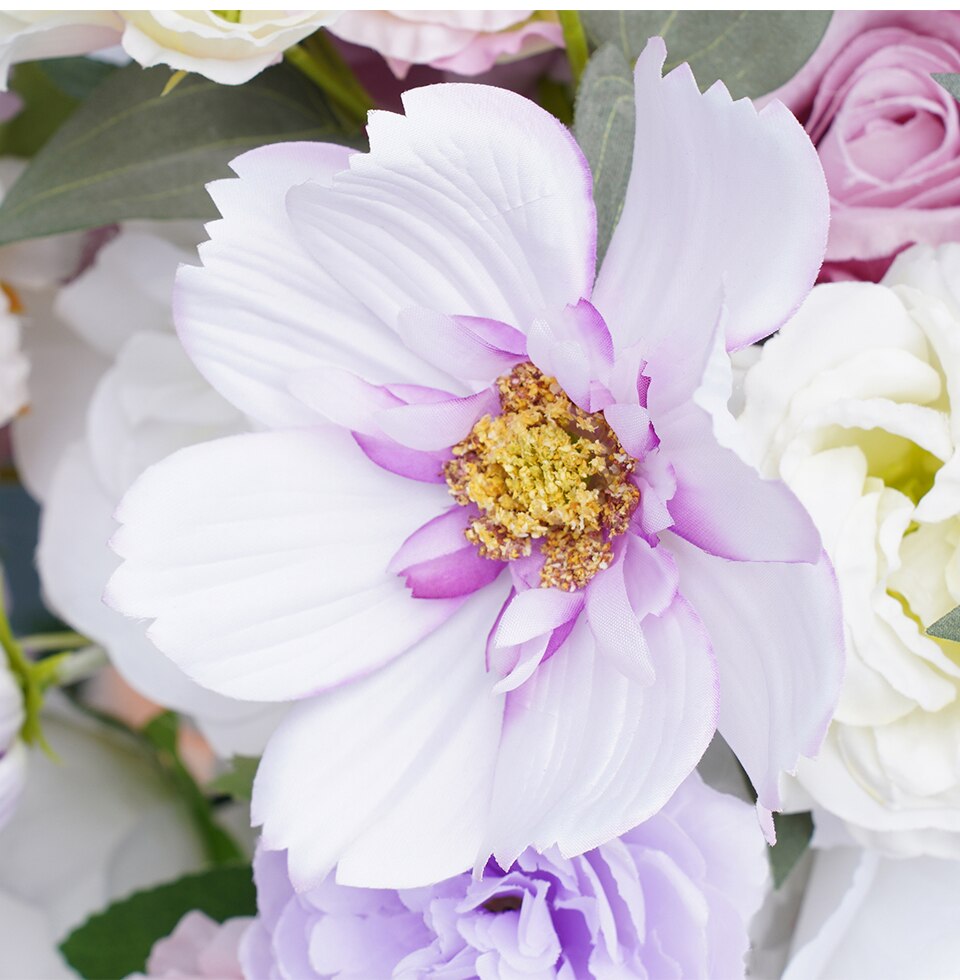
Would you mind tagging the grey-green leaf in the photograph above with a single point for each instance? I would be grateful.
(950, 82)
(604, 124)
(237, 781)
(130, 152)
(794, 831)
(947, 627)
(118, 941)
(753, 51)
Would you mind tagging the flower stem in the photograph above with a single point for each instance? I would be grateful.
(576, 41)
(46, 642)
(322, 63)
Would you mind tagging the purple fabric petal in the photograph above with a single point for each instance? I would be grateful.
(722, 201)
(534, 613)
(437, 561)
(642, 582)
(437, 425)
(777, 632)
(470, 347)
(411, 463)
(724, 506)
(574, 346)
(633, 427)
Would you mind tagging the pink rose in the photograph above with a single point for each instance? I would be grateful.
(466, 42)
(888, 135)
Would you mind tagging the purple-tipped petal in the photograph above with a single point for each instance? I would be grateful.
(471, 347)
(722, 201)
(642, 582)
(410, 463)
(633, 427)
(437, 561)
(574, 346)
(437, 425)
(587, 753)
(722, 505)
(777, 632)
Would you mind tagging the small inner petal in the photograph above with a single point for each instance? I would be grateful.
(544, 472)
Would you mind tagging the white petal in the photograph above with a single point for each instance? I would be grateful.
(389, 775)
(261, 310)
(475, 202)
(262, 560)
(588, 753)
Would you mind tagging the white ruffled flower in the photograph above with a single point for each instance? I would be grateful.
(866, 916)
(90, 829)
(229, 47)
(856, 405)
(114, 392)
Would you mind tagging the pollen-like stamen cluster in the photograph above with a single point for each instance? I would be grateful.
(544, 470)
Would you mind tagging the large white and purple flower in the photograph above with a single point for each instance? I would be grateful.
(492, 537)
(670, 898)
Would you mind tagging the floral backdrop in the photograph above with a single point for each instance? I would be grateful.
(479, 494)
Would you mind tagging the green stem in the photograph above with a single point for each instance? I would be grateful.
(576, 41)
(319, 60)
(23, 668)
(71, 668)
(47, 642)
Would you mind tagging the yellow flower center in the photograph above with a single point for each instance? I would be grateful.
(544, 470)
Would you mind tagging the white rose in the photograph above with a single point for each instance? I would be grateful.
(855, 406)
(866, 916)
(229, 47)
(114, 392)
(91, 828)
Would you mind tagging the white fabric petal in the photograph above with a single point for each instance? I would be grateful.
(475, 202)
(721, 199)
(390, 775)
(587, 753)
(261, 311)
(777, 632)
(75, 562)
(262, 560)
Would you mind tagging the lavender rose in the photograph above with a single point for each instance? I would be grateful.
(670, 898)
(888, 135)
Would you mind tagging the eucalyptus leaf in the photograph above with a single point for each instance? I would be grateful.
(753, 51)
(794, 831)
(237, 781)
(950, 82)
(130, 152)
(117, 942)
(604, 123)
(76, 77)
(947, 627)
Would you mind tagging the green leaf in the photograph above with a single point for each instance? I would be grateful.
(130, 152)
(753, 51)
(238, 780)
(45, 108)
(76, 77)
(604, 123)
(947, 627)
(794, 831)
(117, 942)
(950, 82)
(161, 733)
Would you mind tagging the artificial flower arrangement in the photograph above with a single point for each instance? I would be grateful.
(481, 495)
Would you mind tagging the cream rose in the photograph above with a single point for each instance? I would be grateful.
(228, 47)
(856, 405)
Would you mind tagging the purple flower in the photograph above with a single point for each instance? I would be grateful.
(670, 898)
(492, 536)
